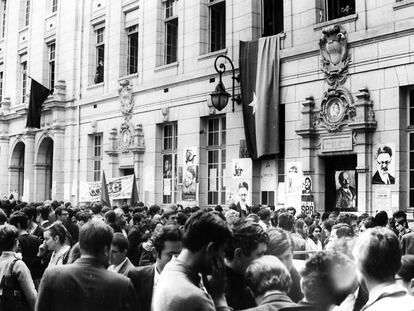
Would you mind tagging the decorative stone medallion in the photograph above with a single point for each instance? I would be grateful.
(125, 139)
(337, 108)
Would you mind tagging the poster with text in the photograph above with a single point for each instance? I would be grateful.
(293, 184)
(383, 167)
(268, 175)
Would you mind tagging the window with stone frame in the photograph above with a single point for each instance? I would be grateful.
(272, 17)
(216, 160)
(217, 24)
(97, 156)
(410, 129)
(54, 5)
(171, 31)
(3, 18)
(169, 162)
(132, 64)
(27, 13)
(1, 84)
(333, 9)
(51, 59)
(99, 54)
(23, 77)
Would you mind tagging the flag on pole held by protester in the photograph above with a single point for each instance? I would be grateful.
(134, 192)
(259, 83)
(38, 95)
(105, 201)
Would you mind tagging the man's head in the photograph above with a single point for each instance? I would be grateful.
(280, 245)
(190, 176)
(8, 237)
(62, 214)
(384, 155)
(243, 191)
(285, 221)
(291, 210)
(82, 217)
(267, 274)
(170, 216)
(247, 244)
(406, 273)
(19, 220)
(308, 184)
(328, 277)
(167, 241)
(206, 234)
(95, 239)
(119, 249)
(344, 179)
(378, 255)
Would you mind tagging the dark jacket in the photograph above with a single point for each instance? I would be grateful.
(85, 285)
(376, 179)
(29, 246)
(237, 295)
(134, 239)
(274, 302)
(143, 280)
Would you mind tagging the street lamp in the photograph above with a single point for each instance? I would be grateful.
(220, 98)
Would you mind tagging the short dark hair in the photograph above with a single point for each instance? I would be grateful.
(247, 236)
(291, 208)
(119, 240)
(18, 218)
(381, 218)
(244, 185)
(84, 216)
(205, 227)
(286, 221)
(59, 210)
(110, 217)
(136, 218)
(163, 234)
(400, 214)
(8, 237)
(96, 208)
(43, 211)
(3, 217)
(263, 214)
(58, 229)
(378, 253)
(30, 211)
(267, 273)
(94, 236)
(384, 149)
(153, 210)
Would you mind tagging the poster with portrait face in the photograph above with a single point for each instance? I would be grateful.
(239, 186)
(189, 182)
(346, 190)
(190, 156)
(167, 166)
(384, 164)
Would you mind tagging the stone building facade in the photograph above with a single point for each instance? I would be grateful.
(132, 82)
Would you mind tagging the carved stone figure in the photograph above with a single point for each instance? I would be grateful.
(334, 54)
(125, 96)
(125, 138)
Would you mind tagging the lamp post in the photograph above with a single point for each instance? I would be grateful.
(220, 98)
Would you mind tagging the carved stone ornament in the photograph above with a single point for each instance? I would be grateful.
(337, 107)
(127, 101)
(334, 54)
(125, 137)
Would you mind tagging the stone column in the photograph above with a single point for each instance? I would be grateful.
(113, 153)
(58, 167)
(138, 150)
(28, 183)
(4, 161)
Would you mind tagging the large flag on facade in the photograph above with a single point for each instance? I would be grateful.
(105, 201)
(38, 95)
(134, 192)
(259, 82)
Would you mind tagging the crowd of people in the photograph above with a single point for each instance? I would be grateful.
(58, 257)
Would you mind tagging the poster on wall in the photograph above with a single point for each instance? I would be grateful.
(293, 185)
(268, 175)
(307, 204)
(167, 166)
(190, 156)
(384, 164)
(382, 198)
(346, 193)
(239, 186)
(189, 182)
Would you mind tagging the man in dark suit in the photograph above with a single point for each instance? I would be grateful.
(86, 284)
(118, 255)
(382, 175)
(346, 194)
(167, 243)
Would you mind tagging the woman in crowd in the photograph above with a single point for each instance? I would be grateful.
(56, 237)
(13, 271)
(314, 241)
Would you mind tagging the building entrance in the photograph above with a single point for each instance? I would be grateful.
(341, 183)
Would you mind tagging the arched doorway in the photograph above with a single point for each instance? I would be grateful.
(16, 170)
(43, 170)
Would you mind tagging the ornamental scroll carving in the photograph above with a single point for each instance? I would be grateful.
(334, 55)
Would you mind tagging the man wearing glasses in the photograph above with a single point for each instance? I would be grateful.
(382, 175)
